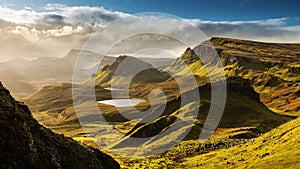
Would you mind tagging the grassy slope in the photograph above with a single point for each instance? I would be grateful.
(279, 148)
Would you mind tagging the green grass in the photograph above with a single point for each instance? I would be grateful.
(279, 148)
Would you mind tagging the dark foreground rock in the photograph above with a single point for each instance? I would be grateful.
(24, 143)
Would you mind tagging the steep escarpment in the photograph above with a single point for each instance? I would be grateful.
(27, 144)
(272, 68)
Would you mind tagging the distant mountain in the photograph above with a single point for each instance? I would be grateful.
(27, 144)
(127, 68)
(157, 62)
(24, 76)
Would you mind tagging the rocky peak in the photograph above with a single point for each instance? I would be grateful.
(126, 66)
(189, 56)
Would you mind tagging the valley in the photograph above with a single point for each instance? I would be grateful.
(137, 84)
(258, 123)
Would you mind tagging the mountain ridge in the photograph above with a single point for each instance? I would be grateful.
(270, 67)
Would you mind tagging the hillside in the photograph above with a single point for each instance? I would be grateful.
(27, 144)
(279, 148)
(273, 69)
(53, 104)
(244, 117)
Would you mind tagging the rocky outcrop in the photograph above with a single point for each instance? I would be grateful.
(242, 87)
(24, 143)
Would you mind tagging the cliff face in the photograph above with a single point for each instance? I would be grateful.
(242, 87)
(272, 68)
(24, 143)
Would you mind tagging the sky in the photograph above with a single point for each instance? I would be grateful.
(213, 10)
(37, 27)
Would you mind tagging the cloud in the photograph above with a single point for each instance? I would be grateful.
(53, 19)
(62, 28)
(270, 30)
(54, 7)
(86, 15)
(52, 32)
(60, 15)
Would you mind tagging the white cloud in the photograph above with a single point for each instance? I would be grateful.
(62, 27)
(60, 15)
(64, 31)
(268, 22)
(54, 7)
(18, 16)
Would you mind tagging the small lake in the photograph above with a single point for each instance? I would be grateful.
(122, 102)
(115, 89)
